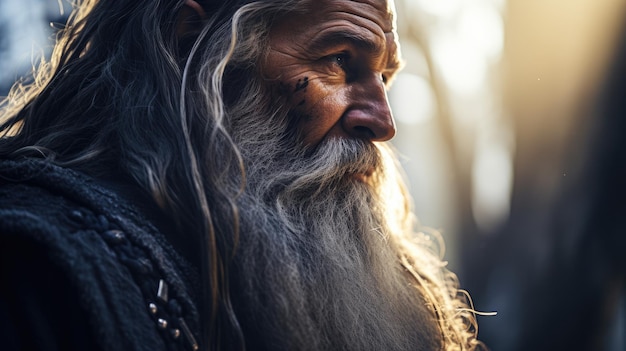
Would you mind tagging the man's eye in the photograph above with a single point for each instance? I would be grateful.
(340, 60)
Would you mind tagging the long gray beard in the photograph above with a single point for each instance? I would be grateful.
(315, 268)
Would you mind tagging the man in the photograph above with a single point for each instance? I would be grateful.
(211, 175)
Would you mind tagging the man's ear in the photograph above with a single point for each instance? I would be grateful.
(190, 19)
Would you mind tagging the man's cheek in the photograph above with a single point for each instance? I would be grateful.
(301, 116)
(299, 90)
(294, 92)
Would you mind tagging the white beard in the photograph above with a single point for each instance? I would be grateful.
(317, 267)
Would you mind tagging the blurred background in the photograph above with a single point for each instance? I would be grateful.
(510, 118)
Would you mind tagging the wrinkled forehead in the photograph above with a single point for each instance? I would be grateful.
(377, 16)
(385, 8)
(382, 10)
(318, 25)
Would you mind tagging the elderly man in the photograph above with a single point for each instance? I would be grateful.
(212, 175)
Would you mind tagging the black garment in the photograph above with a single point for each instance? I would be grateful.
(83, 269)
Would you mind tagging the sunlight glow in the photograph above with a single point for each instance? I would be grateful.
(412, 99)
(462, 67)
(439, 8)
(482, 28)
(492, 180)
(465, 51)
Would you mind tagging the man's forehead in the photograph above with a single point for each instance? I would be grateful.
(324, 24)
(316, 13)
(382, 8)
(385, 6)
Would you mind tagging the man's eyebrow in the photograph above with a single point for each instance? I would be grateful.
(322, 43)
(330, 39)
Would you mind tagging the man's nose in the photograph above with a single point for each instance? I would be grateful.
(369, 116)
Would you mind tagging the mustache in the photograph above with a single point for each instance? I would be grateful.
(345, 156)
(332, 161)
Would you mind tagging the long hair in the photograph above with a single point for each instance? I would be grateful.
(124, 96)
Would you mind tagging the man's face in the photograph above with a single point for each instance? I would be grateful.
(333, 64)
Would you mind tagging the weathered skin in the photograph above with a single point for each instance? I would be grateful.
(335, 62)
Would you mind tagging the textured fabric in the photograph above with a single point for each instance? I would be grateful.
(81, 268)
